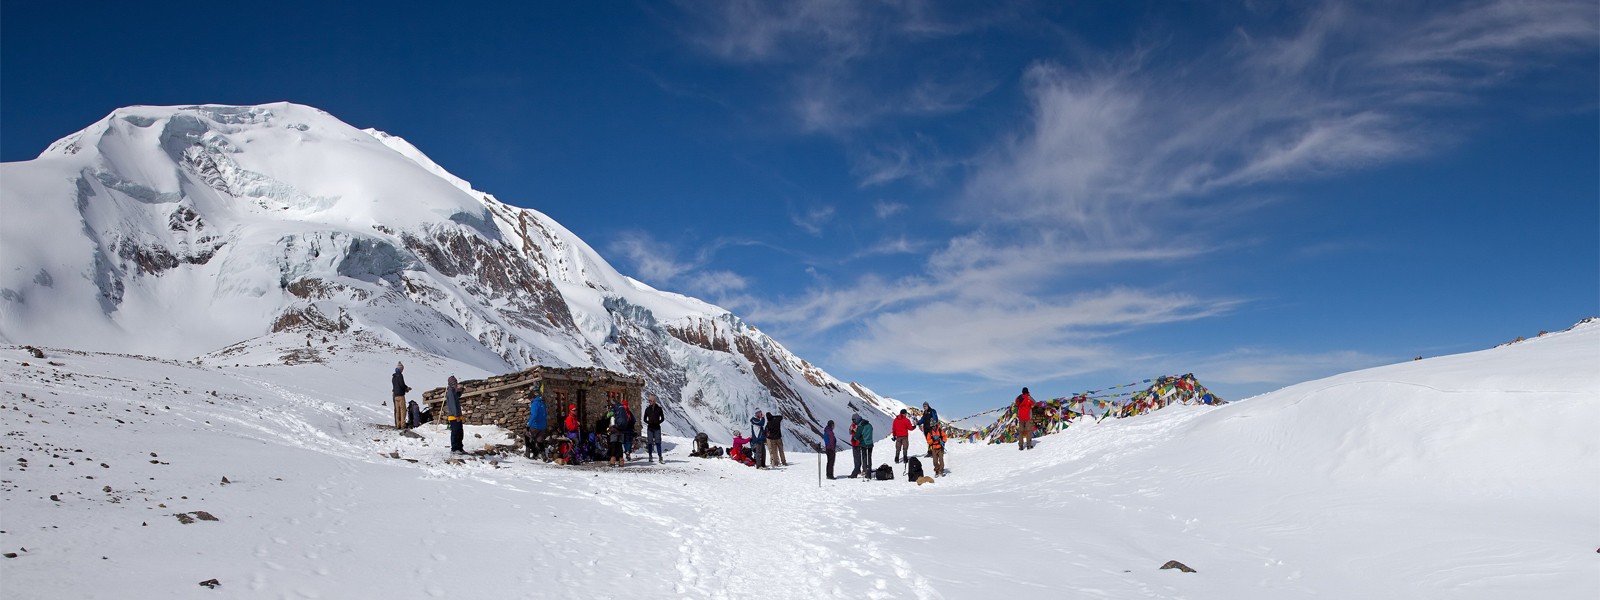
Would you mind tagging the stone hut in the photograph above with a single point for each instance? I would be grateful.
(503, 400)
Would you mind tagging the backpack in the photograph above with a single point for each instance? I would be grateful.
(884, 473)
(913, 469)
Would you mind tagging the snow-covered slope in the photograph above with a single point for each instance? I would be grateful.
(1469, 476)
(183, 231)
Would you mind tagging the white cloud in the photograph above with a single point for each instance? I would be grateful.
(652, 260)
(658, 264)
(1116, 154)
(717, 283)
(812, 219)
(977, 272)
(1016, 337)
(886, 209)
(1114, 147)
(830, 56)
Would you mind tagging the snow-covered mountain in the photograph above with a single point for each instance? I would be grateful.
(184, 232)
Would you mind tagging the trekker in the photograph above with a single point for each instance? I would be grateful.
(572, 433)
(653, 416)
(452, 414)
(936, 449)
(413, 415)
(775, 439)
(538, 421)
(614, 446)
(758, 439)
(901, 430)
(1024, 420)
(829, 443)
(398, 382)
(625, 422)
(864, 431)
(855, 446)
(928, 420)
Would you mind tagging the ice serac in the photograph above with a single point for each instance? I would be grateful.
(179, 231)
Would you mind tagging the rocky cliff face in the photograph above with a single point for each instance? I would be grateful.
(176, 231)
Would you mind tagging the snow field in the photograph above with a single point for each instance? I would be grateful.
(1470, 476)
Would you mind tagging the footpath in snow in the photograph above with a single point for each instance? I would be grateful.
(1469, 476)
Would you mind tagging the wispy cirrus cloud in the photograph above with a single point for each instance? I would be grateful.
(1117, 149)
(1112, 146)
(831, 56)
(1018, 337)
(812, 219)
(661, 265)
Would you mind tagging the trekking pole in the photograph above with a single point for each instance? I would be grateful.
(819, 467)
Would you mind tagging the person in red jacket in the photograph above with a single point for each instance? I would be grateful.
(1024, 420)
(572, 433)
(901, 429)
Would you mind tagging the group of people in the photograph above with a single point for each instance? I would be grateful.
(764, 444)
(408, 415)
(861, 440)
(612, 436)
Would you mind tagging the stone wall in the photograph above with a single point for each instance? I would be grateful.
(503, 399)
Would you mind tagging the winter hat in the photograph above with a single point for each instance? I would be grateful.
(903, 411)
(1024, 390)
(399, 365)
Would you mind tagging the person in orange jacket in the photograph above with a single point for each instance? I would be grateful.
(936, 449)
(901, 429)
(1024, 420)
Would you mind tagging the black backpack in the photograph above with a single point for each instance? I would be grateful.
(913, 469)
(884, 473)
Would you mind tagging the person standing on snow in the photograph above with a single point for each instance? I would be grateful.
(936, 449)
(829, 443)
(573, 435)
(1024, 420)
(855, 446)
(398, 382)
(758, 439)
(452, 414)
(775, 439)
(538, 421)
(901, 431)
(864, 431)
(928, 421)
(614, 446)
(625, 423)
(653, 416)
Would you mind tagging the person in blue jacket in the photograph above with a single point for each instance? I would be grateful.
(929, 420)
(538, 421)
(758, 439)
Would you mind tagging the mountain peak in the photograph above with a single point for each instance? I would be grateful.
(181, 231)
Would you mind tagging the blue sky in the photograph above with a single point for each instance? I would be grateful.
(947, 202)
